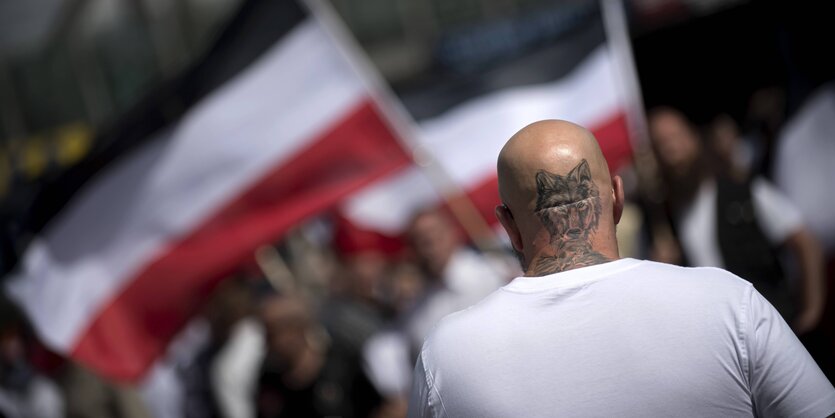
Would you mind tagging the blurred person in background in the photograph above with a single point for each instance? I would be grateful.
(24, 393)
(804, 170)
(804, 167)
(300, 375)
(750, 150)
(356, 307)
(456, 277)
(88, 395)
(761, 129)
(727, 146)
(404, 287)
(220, 379)
(354, 312)
(725, 219)
(239, 342)
(164, 389)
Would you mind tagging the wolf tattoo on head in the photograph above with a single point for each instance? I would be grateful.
(569, 208)
(568, 205)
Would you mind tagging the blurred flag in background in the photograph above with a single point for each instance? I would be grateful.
(271, 127)
(274, 126)
(490, 80)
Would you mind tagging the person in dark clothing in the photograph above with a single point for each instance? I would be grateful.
(301, 376)
(355, 310)
(727, 220)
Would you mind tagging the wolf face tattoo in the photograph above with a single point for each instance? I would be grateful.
(569, 208)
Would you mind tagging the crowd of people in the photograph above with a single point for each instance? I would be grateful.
(728, 206)
(340, 336)
(273, 348)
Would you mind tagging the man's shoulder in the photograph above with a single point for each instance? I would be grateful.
(706, 284)
(470, 318)
(696, 276)
(646, 276)
(654, 284)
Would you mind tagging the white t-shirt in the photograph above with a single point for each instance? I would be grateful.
(624, 338)
(776, 216)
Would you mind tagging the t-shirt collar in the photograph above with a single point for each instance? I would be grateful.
(570, 278)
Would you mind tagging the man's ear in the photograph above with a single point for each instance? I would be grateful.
(617, 198)
(505, 217)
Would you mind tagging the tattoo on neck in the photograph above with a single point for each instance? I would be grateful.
(569, 208)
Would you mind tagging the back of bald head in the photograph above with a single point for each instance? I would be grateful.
(560, 201)
(548, 146)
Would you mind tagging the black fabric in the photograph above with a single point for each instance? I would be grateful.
(257, 26)
(350, 323)
(198, 397)
(340, 390)
(745, 249)
(532, 48)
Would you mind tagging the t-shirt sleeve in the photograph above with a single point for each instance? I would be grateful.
(778, 217)
(424, 401)
(785, 381)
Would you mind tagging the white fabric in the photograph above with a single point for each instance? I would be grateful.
(162, 389)
(234, 371)
(468, 277)
(387, 363)
(138, 207)
(625, 338)
(805, 163)
(776, 216)
(40, 399)
(588, 96)
(388, 357)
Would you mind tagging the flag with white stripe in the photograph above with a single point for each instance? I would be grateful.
(271, 127)
(491, 80)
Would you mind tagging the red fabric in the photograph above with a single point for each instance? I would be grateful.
(612, 134)
(613, 137)
(134, 328)
(351, 239)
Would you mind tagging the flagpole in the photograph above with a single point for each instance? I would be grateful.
(645, 163)
(617, 32)
(399, 119)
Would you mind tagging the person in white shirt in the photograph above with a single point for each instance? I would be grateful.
(724, 219)
(585, 333)
(457, 277)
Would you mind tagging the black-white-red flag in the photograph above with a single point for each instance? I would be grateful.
(560, 61)
(271, 127)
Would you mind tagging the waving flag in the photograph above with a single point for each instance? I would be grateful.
(271, 127)
(491, 80)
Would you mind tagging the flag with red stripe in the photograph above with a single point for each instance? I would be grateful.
(271, 127)
(490, 80)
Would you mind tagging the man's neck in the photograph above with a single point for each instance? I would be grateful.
(568, 256)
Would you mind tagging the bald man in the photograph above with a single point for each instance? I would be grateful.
(586, 333)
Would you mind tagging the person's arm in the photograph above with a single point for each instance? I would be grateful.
(782, 223)
(812, 285)
(665, 246)
(784, 379)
